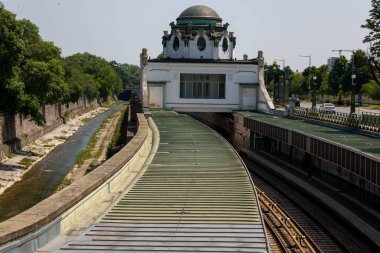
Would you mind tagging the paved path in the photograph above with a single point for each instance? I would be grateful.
(345, 109)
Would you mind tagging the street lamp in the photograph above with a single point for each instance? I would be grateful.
(353, 94)
(308, 56)
(314, 102)
(283, 63)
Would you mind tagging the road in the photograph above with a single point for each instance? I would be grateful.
(345, 109)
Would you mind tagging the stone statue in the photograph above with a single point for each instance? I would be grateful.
(212, 27)
(144, 57)
(189, 28)
(164, 40)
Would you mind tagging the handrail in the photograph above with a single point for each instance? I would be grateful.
(366, 121)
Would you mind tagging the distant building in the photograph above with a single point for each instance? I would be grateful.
(198, 71)
(330, 62)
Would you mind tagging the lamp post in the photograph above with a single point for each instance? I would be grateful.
(314, 102)
(283, 63)
(308, 56)
(352, 94)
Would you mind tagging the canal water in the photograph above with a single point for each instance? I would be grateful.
(44, 177)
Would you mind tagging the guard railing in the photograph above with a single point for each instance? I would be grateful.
(366, 121)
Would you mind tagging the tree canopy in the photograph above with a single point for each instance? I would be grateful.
(33, 73)
(373, 38)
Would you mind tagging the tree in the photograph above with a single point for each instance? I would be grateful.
(323, 80)
(297, 81)
(107, 81)
(307, 76)
(373, 38)
(371, 90)
(11, 57)
(361, 70)
(337, 73)
(129, 74)
(270, 71)
(31, 74)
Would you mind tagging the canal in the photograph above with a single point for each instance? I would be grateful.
(44, 177)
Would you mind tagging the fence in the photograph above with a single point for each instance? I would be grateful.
(366, 121)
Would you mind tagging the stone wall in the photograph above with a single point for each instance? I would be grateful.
(241, 135)
(18, 130)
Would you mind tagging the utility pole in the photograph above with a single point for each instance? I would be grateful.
(308, 56)
(353, 76)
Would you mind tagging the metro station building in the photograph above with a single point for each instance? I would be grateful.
(198, 71)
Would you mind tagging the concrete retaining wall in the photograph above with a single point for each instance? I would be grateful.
(17, 130)
(241, 134)
(40, 224)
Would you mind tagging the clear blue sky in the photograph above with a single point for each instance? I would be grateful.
(119, 29)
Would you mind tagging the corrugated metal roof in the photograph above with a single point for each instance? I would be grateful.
(195, 196)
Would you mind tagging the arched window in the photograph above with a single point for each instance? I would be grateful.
(225, 44)
(201, 44)
(176, 44)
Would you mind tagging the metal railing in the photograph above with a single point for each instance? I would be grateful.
(366, 121)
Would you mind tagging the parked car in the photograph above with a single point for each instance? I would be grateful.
(296, 102)
(328, 107)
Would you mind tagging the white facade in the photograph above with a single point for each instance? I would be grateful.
(191, 50)
(243, 89)
(199, 50)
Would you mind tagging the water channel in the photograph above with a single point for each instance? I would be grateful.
(44, 177)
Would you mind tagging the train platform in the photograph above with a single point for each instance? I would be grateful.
(363, 218)
(195, 195)
(343, 137)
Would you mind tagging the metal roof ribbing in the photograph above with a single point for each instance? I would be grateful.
(195, 196)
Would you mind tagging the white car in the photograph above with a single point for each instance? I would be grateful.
(328, 107)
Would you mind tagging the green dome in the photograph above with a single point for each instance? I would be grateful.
(199, 15)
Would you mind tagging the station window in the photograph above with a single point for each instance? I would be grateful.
(208, 86)
(225, 44)
(201, 44)
(176, 44)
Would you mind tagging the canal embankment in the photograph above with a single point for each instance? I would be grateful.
(43, 178)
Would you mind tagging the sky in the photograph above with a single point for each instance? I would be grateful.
(119, 29)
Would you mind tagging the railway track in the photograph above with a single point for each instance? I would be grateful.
(314, 224)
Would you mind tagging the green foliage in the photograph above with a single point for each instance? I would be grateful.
(31, 74)
(297, 81)
(270, 71)
(160, 56)
(372, 24)
(107, 81)
(26, 161)
(371, 90)
(129, 74)
(336, 75)
(119, 138)
(308, 74)
(361, 70)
